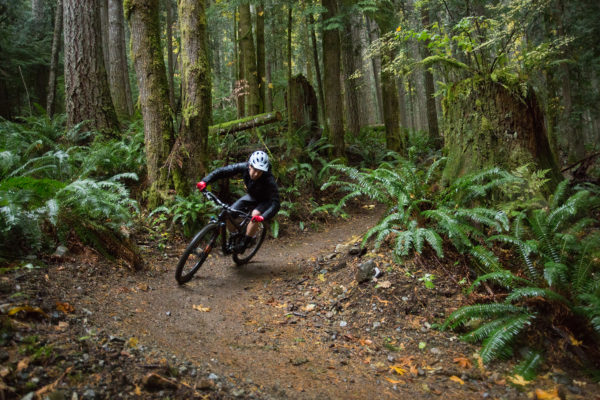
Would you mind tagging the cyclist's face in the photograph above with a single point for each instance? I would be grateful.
(255, 173)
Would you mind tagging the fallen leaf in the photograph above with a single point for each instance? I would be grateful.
(62, 325)
(463, 362)
(394, 381)
(547, 395)
(23, 364)
(422, 345)
(517, 380)
(384, 285)
(456, 379)
(64, 307)
(27, 310)
(321, 277)
(398, 369)
(575, 342)
(132, 342)
(309, 307)
(137, 391)
(200, 308)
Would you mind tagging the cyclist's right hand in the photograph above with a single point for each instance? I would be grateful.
(201, 185)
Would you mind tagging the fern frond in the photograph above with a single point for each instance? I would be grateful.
(529, 366)
(481, 311)
(556, 274)
(530, 292)
(497, 345)
(485, 257)
(559, 194)
(503, 277)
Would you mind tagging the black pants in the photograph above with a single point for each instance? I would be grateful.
(248, 203)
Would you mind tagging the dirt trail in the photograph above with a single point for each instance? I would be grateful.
(294, 323)
(234, 318)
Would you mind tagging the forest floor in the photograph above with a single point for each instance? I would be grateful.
(293, 323)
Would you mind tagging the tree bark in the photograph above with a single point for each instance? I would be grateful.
(315, 49)
(104, 33)
(333, 92)
(351, 61)
(56, 39)
(372, 35)
(192, 141)
(170, 55)
(118, 76)
(289, 70)
(394, 136)
(260, 56)
(239, 62)
(488, 125)
(151, 74)
(249, 59)
(87, 94)
(432, 120)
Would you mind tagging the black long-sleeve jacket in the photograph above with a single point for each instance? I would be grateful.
(264, 189)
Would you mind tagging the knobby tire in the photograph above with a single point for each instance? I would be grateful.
(196, 253)
(241, 259)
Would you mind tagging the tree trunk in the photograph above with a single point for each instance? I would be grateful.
(104, 34)
(394, 136)
(240, 83)
(289, 70)
(170, 55)
(120, 88)
(192, 143)
(56, 39)
(333, 91)
(321, 96)
(351, 61)
(249, 59)
(432, 121)
(489, 126)
(87, 95)
(376, 65)
(303, 110)
(246, 123)
(151, 74)
(260, 56)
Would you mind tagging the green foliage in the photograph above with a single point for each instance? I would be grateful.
(51, 188)
(419, 212)
(560, 259)
(189, 213)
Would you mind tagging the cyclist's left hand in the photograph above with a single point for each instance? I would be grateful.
(257, 218)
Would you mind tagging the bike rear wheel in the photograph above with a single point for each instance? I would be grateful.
(252, 249)
(196, 253)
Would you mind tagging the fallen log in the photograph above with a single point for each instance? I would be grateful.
(245, 123)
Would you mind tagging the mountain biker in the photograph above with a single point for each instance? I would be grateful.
(263, 194)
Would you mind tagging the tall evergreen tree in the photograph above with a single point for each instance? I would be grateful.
(143, 17)
(120, 88)
(87, 94)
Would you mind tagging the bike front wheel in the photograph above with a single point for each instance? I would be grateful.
(196, 253)
(243, 258)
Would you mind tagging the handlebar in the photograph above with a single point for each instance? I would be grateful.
(211, 196)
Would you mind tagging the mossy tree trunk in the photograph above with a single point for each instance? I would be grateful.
(118, 75)
(249, 59)
(394, 136)
(261, 65)
(191, 151)
(487, 125)
(331, 75)
(56, 39)
(87, 95)
(151, 74)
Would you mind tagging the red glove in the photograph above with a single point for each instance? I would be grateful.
(257, 218)
(201, 185)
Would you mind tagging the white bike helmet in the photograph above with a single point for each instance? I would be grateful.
(259, 160)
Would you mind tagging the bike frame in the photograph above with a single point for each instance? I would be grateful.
(226, 214)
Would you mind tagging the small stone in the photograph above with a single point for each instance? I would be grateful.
(213, 377)
(342, 248)
(60, 251)
(404, 298)
(420, 372)
(206, 384)
(89, 394)
(365, 271)
(377, 273)
(435, 350)
(485, 395)
(343, 324)
(574, 389)
(376, 324)
(391, 358)
(168, 313)
(238, 393)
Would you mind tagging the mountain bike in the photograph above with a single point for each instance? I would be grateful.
(198, 250)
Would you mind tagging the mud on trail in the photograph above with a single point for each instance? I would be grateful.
(293, 323)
